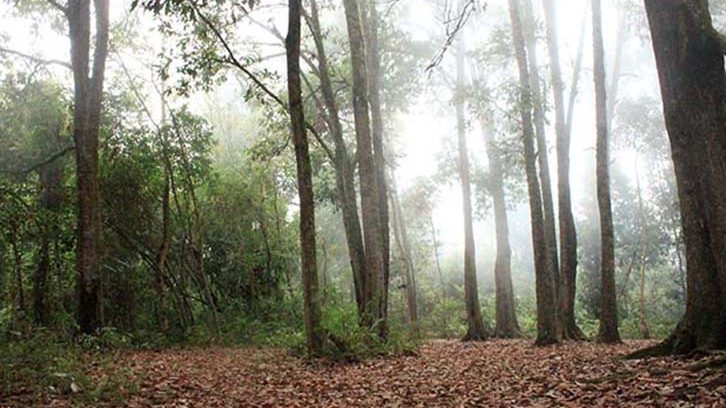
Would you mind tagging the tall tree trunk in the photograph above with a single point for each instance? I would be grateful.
(690, 61)
(401, 238)
(371, 218)
(568, 233)
(608, 332)
(539, 99)
(313, 333)
(162, 254)
(507, 325)
(88, 97)
(475, 324)
(547, 331)
(572, 97)
(371, 23)
(435, 243)
(612, 93)
(344, 173)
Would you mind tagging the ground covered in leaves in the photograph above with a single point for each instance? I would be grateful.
(498, 373)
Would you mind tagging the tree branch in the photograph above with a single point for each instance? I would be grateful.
(63, 9)
(55, 156)
(232, 59)
(32, 58)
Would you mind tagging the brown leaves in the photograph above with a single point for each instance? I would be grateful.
(496, 373)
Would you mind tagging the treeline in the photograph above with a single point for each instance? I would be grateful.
(124, 207)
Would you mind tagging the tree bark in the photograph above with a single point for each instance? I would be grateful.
(539, 99)
(476, 330)
(371, 218)
(568, 233)
(690, 61)
(344, 173)
(608, 331)
(506, 317)
(547, 331)
(311, 295)
(370, 19)
(88, 97)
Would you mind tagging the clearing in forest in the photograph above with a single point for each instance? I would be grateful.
(497, 373)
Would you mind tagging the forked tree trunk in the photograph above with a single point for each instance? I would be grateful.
(538, 99)
(506, 317)
(547, 327)
(88, 95)
(369, 192)
(690, 61)
(313, 334)
(475, 324)
(568, 233)
(608, 331)
(344, 173)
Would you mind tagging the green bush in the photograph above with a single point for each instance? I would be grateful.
(44, 363)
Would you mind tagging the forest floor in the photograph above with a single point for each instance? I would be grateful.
(498, 373)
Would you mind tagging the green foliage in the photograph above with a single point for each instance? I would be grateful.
(43, 364)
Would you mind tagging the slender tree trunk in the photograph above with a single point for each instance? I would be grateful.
(435, 243)
(88, 95)
(344, 173)
(3, 269)
(313, 332)
(18, 268)
(475, 324)
(161, 256)
(373, 236)
(644, 329)
(572, 97)
(568, 232)
(507, 325)
(51, 196)
(608, 332)
(539, 100)
(401, 237)
(690, 61)
(369, 15)
(547, 331)
(620, 38)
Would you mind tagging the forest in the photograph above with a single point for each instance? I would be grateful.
(362, 203)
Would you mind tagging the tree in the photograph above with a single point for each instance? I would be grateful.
(568, 233)
(344, 166)
(371, 23)
(689, 56)
(538, 104)
(506, 317)
(400, 234)
(87, 102)
(311, 294)
(547, 328)
(608, 331)
(475, 324)
(369, 191)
